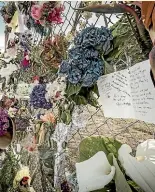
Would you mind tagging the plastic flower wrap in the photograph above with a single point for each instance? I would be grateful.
(4, 122)
(56, 90)
(29, 143)
(25, 40)
(37, 97)
(23, 90)
(84, 66)
(99, 38)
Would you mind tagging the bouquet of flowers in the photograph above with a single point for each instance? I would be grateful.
(47, 13)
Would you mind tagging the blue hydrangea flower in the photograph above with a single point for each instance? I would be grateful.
(84, 64)
(93, 73)
(74, 75)
(99, 38)
(64, 67)
(37, 97)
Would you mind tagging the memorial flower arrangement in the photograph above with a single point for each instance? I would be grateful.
(47, 13)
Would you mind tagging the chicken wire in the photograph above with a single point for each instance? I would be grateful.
(87, 120)
(127, 131)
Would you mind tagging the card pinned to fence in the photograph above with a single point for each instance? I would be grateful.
(129, 93)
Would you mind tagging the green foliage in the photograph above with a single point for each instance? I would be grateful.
(8, 171)
(91, 145)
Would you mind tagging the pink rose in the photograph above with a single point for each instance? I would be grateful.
(36, 11)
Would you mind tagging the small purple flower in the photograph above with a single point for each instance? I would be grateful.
(37, 97)
(4, 122)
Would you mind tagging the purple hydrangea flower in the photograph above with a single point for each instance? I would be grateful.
(37, 97)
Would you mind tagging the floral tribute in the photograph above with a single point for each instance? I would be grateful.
(85, 65)
(47, 13)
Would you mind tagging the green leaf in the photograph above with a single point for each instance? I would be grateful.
(91, 145)
(72, 89)
(79, 100)
(120, 181)
(92, 100)
(95, 90)
(66, 117)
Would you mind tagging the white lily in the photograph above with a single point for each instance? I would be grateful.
(140, 168)
(94, 173)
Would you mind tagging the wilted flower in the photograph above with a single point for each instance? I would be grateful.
(49, 117)
(84, 66)
(55, 15)
(99, 38)
(37, 97)
(36, 11)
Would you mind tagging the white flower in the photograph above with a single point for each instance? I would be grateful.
(56, 90)
(140, 168)
(94, 173)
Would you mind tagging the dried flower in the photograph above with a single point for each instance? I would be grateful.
(37, 97)
(49, 117)
(84, 66)
(36, 11)
(55, 15)
(99, 38)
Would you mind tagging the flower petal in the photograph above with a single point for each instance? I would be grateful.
(94, 173)
(143, 172)
(147, 150)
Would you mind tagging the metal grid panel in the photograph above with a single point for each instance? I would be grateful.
(127, 131)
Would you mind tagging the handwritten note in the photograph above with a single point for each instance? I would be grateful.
(129, 93)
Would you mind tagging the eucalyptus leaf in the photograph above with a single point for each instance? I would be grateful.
(120, 181)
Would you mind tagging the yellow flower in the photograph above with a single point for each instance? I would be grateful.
(23, 172)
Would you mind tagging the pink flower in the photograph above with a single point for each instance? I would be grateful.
(25, 62)
(55, 15)
(36, 11)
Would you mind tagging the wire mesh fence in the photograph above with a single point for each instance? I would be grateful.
(127, 131)
(92, 120)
